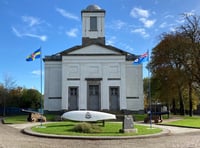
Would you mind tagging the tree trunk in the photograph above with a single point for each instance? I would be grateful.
(174, 106)
(182, 109)
(190, 100)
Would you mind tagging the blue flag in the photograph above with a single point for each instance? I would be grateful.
(143, 58)
(34, 55)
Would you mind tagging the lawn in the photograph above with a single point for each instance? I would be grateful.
(19, 119)
(65, 127)
(110, 129)
(186, 121)
(16, 119)
(140, 117)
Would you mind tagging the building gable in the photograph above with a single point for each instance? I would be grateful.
(90, 50)
(95, 50)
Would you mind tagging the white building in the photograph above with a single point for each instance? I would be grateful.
(93, 76)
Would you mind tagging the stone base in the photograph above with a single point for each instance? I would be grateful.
(129, 130)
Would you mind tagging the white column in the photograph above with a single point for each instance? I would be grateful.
(123, 104)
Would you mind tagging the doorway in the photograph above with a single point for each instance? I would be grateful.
(93, 101)
(114, 98)
(73, 98)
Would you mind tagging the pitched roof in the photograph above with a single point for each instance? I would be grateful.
(58, 56)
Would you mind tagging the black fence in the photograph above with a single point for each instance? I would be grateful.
(8, 111)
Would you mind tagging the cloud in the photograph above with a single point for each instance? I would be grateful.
(192, 12)
(180, 20)
(169, 16)
(172, 29)
(31, 27)
(118, 24)
(141, 31)
(37, 72)
(111, 40)
(127, 47)
(72, 33)
(31, 20)
(163, 25)
(143, 16)
(16, 32)
(67, 14)
(138, 12)
(147, 23)
(41, 37)
(22, 34)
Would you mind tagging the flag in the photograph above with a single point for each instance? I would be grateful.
(34, 55)
(143, 58)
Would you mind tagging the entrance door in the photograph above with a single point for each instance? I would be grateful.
(93, 102)
(73, 98)
(114, 98)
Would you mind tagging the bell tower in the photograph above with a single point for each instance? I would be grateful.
(93, 25)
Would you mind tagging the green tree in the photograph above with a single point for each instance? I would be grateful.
(153, 85)
(1, 95)
(30, 99)
(167, 68)
(8, 84)
(191, 61)
(15, 97)
(176, 58)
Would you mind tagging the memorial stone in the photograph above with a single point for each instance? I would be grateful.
(128, 125)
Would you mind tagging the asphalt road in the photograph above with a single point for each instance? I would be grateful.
(12, 138)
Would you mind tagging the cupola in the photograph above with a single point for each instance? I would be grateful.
(93, 25)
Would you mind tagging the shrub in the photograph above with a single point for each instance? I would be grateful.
(86, 128)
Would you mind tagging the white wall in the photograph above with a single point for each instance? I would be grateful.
(134, 90)
(53, 95)
(86, 25)
(75, 69)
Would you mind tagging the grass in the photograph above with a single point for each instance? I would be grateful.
(20, 119)
(139, 117)
(186, 122)
(16, 119)
(110, 129)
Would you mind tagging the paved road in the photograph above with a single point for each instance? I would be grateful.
(12, 138)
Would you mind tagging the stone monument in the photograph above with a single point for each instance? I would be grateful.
(128, 125)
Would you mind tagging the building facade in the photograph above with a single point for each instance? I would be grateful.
(93, 76)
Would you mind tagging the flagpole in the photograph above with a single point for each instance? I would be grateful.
(41, 85)
(149, 93)
(145, 57)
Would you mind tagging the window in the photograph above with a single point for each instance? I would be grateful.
(114, 91)
(93, 23)
(73, 91)
(93, 90)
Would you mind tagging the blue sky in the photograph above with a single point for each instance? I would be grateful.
(55, 25)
